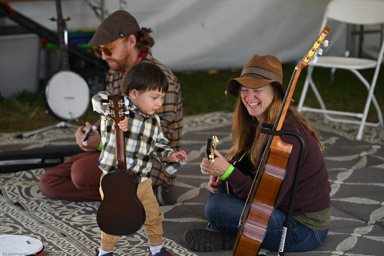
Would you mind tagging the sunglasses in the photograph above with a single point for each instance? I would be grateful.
(107, 49)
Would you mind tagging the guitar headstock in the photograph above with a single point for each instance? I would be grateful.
(310, 56)
(116, 107)
(211, 146)
(316, 50)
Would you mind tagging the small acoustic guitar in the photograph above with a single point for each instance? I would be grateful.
(120, 212)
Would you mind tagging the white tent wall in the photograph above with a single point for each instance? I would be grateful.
(208, 34)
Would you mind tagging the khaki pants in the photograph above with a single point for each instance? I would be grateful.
(153, 226)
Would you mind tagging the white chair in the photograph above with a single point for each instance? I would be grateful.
(354, 12)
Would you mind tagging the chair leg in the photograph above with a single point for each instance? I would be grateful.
(371, 98)
(309, 82)
(362, 116)
(333, 71)
(318, 97)
(370, 88)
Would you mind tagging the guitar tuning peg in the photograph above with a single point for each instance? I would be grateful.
(320, 51)
(326, 43)
(315, 58)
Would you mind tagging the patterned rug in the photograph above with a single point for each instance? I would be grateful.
(356, 173)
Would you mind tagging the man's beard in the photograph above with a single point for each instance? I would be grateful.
(116, 66)
(121, 64)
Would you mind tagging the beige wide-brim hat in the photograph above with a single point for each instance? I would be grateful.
(258, 72)
(117, 25)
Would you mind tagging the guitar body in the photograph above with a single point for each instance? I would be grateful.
(120, 212)
(258, 209)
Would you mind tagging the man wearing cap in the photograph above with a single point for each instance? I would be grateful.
(260, 94)
(121, 43)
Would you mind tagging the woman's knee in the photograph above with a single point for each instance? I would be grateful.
(210, 209)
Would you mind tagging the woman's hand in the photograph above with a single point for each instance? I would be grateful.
(217, 168)
(213, 183)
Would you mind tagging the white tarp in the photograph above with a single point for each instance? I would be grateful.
(208, 34)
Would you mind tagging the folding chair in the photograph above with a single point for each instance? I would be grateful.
(352, 12)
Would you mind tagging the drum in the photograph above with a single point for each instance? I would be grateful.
(20, 245)
(67, 95)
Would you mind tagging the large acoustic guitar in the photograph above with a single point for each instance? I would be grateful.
(120, 212)
(271, 171)
(66, 93)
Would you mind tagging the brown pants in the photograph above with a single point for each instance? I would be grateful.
(153, 226)
(77, 179)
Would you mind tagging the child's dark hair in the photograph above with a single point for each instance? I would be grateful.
(144, 77)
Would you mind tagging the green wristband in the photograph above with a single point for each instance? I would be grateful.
(100, 146)
(227, 173)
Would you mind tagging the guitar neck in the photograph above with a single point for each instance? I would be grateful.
(120, 150)
(211, 147)
(295, 76)
(288, 97)
(62, 37)
(117, 111)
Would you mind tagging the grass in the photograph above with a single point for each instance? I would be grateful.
(203, 92)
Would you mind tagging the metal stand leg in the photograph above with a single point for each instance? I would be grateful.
(287, 223)
(58, 125)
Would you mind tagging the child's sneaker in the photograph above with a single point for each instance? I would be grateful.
(163, 252)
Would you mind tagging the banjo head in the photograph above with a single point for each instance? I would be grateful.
(67, 95)
(20, 245)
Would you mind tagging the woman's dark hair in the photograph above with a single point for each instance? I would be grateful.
(143, 77)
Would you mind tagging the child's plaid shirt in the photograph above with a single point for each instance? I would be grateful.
(143, 140)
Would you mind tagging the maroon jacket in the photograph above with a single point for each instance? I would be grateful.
(313, 189)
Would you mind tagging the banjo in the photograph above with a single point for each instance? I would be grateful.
(66, 93)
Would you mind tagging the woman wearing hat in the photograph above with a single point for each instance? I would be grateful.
(259, 95)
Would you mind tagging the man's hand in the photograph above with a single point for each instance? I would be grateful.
(93, 141)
